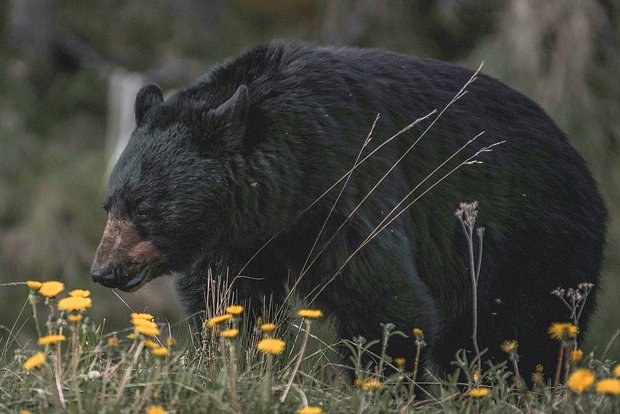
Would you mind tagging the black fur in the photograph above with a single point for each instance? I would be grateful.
(213, 172)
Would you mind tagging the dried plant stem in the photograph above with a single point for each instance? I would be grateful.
(610, 343)
(298, 361)
(474, 297)
(344, 186)
(75, 347)
(466, 215)
(395, 212)
(149, 388)
(58, 380)
(558, 367)
(127, 374)
(416, 364)
(105, 379)
(458, 96)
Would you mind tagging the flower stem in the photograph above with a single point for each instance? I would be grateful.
(33, 302)
(558, 367)
(520, 385)
(232, 378)
(567, 354)
(416, 364)
(268, 389)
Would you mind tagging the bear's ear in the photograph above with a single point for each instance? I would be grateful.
(234, 112)
(147, 97)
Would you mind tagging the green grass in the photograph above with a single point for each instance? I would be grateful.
(98, 371)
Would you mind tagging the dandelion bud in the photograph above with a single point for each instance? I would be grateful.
(476, 376)
(576, 355)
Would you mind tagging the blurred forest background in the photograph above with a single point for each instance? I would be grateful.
(62, 63)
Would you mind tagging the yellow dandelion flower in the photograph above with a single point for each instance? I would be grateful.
(113, 340)
(34, 361)
(580, 380)
(609, 386)
(478, 392)
(131, 336)
(562, 330)
(148, 330)
(573, 331)
(268, 327)
(310, 410)
(145, 316)
(310, 313)
(556, 330)
(417, 332)
(509, 346)
(142, 322)
(150, 344)
(145, 327)
(372, 384)
(216, 320)
(170, 342)
(74, 303)
(617, 370)
(25, 412)
(271, 346)
(539, 368)
(156, 409)
(51, 289)
(400, 362)
(79, 293)
(34, 284)
(576, 355)
(234, 309)
(161, 351)
(74, 317)
(51, 339)
(230, 333)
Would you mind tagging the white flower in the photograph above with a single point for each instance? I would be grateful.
(94, 374)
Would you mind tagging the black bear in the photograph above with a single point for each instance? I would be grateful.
(253, 149)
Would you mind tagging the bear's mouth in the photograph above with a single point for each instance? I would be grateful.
(140, 279)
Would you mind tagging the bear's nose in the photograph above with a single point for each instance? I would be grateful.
(107, 276)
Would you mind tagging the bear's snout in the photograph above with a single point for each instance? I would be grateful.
(123, 260)
(107, 276)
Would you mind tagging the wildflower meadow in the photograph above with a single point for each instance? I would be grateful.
(273, 365)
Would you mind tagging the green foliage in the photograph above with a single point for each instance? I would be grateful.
(92, 370)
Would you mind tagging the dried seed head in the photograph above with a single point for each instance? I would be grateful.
(468, 212)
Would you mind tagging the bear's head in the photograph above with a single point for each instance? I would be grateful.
(170, 187)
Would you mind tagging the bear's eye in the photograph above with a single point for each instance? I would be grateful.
(140, 212)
